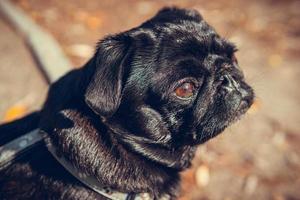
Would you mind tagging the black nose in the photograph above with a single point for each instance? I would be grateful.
(241, 91)
(229, 83)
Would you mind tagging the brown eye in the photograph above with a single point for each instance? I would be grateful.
(185, 90)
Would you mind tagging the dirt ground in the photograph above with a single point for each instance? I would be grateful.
(22, 88)
(257, 158)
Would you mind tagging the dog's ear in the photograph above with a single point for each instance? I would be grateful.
(103, 93)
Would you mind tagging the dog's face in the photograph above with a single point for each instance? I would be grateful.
(172, 81)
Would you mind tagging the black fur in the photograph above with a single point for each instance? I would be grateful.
(118, 117)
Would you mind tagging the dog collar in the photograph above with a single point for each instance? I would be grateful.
(91, 182)
(17, 148)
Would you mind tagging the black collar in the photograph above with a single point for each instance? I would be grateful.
(15, 149)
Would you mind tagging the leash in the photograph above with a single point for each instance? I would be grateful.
(17, 148)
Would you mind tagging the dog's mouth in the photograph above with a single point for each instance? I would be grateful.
(242, 108)
(215, 125)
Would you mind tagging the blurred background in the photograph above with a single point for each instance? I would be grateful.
(258, 157)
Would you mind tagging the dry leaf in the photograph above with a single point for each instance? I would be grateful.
(202, 175)
(15, 112)
(93, 22)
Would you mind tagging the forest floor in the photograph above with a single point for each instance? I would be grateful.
(258, 157)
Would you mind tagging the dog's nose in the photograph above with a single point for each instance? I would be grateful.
(237, 92)
(229, 83)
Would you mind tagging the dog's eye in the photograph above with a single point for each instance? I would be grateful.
(185, 90)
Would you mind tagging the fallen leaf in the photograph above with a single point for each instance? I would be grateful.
(202, 175)
(15, 112)
(93, 22)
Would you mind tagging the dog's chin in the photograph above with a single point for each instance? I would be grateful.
(212, 129)
(202, 138)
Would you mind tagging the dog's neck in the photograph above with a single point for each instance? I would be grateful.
(96, 151)
(176, 158)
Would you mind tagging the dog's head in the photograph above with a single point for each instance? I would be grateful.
(173, 82)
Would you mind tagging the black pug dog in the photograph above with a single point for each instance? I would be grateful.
(133, 116)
